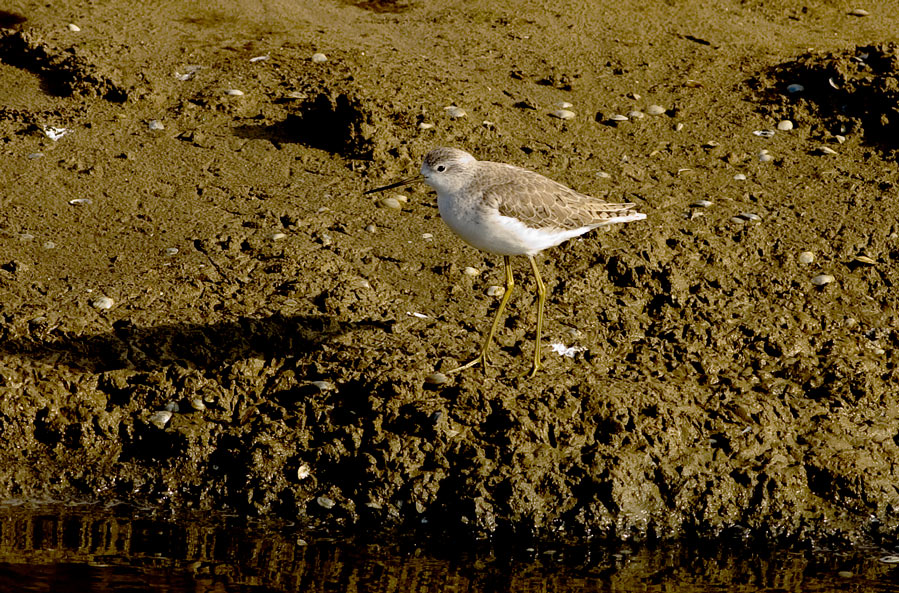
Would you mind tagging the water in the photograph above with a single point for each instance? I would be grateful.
(67, 549)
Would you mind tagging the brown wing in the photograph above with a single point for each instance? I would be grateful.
(541, 202)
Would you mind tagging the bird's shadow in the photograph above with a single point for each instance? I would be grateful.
(199, 346)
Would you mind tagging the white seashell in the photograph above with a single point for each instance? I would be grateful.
(678, 126)
(391, 203)
(469, 271)
(739, 177)
(54, 133)
(495, 291)
(840, 138)
(785, 125)
(73, 27)
(170, 251)
(795, 88)
(160, 419)
(563, 105)
(822, 279)
(864, 259)
(655, 110)
(702, 203)
(259, 58)
(436, 379)
(81, 202)
(806, 257)
(278, 236)
(304, 471)
(826, 150)
(603, 175)
(155, 124)
(751, 216)
(765, 156)
(319, 58)
(764, 133)
(636, 114)
(859, 12)
(454, 112)
(103, 303)
(425, 126)
(562, 114)
(234, 92)
(618, 117)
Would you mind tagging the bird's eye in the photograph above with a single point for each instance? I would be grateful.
(441, 168)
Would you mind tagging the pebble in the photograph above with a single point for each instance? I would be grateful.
(859, 12)
(391, 203)
(425, 126)
(702, 203)
(655, 110)
(103, 303)
(325, 502)
(319, 58)
(436, 379)
(160, 419)
(198, 404)
(562, 114)
(170, 251)
(495, 291)
(822, 279)
(73, 27)
(81, 202)
(826, 150)
(469, 271)
(806, 257)
(795, 88)
(234, 92)
(739, 177)
(785, 125)
(155, 124)
(304, 471)
(454, 112)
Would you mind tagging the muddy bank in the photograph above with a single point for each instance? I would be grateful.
(200, 309)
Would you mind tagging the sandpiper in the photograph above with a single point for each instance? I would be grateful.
(507, 210)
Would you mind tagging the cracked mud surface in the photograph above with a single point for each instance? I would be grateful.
(288, 323)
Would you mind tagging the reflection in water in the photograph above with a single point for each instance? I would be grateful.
(67, 549)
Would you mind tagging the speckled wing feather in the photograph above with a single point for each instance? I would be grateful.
(540, 202)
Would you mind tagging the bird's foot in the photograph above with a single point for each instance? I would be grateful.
(481, 359)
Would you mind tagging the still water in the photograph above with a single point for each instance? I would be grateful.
(64, 549)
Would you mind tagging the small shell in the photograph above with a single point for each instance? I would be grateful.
(678, 126)
(618, 117)
(73, 27)
(425, 126)
(826, 150)
(103, 302)
(325, 502)
(785, 125)
(891, 559)
(859, 12)
(739, 177)
(764, 133)
(319, 58)
(234, 92)
(390, 203)
(304, 471)
(155, 124)
(563, 105)
(160, 419)
(655, 110)
(636, 114)
(259, 59)
(702, 203)
(864, 259)
(806, 257)
(751, 216)
(495, 291)
(454, 112)
(469, 271)
(840, 138)
(765, 157)
(81, 202)
(278, 236)
(436, 379)
(562, 114)
(822, 279)
(795, 88)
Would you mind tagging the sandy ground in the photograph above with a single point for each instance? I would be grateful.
(200, 309)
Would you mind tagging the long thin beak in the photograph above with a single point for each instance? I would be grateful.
(393, 185)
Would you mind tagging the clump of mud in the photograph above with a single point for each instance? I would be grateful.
(855, 91)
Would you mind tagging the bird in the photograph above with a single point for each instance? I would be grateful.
(510, 211)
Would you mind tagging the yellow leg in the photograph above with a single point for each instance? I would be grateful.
(510, 284)
(541, 298)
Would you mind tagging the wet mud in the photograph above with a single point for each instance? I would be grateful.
(199, 308)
